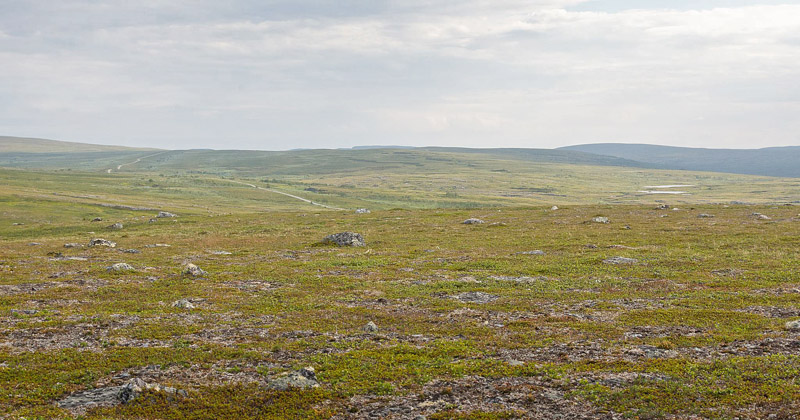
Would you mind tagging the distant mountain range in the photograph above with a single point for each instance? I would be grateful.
(41, 153)
(771, 161)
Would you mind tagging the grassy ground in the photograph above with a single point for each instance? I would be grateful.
(695, 327)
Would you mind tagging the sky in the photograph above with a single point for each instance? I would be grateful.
(286, 74)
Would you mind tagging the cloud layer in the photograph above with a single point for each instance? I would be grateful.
(287, 74)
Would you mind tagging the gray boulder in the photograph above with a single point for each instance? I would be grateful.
(473, 221)
(620, 261)
(476, 297)
(79, 402)
(345, 239)
(302, 379)
(102, 242)
(193, 270)
(120, 267)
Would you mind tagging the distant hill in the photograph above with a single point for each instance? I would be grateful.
(772, 161)
(34, 145)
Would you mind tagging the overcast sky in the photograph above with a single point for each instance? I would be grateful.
(283, 74)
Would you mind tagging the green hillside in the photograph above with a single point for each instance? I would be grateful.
(772, 161)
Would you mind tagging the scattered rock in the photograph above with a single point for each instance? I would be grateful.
(534, 252)
(303, 378)
(116, 226)
(476, 297)
(152, 220)
(120, 267)
(620, 260)
(157, 246)
(97, 219)
(79, 402)
(591, 246)
(18, 224)
(362, 211)
(163, 214)
(473, 221)
(370, 327)
(183, 303)
(345, 239)
(73, 245)
(130, 251)
(193, 270)
(600, 219)
(221, 253)
(704, 216)
(793, 325)
(24, 312)
(760, 216)
(663, 207)
(554, 208)
(102, 242)
(34, 244)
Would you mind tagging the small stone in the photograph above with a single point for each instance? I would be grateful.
(102, 242)
(704, 216)
(534, 252)
(370, 327)
(157, 246)
(97, 219)
(663, 207)
(362, 211)
(163, 214)
(116, 226)
(760, 216)
(130, 251)
(793, 325)
(120, 267)
(183, 303)
(473, 221)
(476, 297)
(73, 245)
(620, 260)
(221, 253)
(24, 312)
(345, 239)
(303, 378)
(600, 219)
(554, 208)
(193, 270)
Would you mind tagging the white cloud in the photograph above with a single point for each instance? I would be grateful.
(478, 73)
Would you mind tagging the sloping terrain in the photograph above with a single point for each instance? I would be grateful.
(772, 161)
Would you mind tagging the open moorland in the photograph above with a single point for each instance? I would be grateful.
(623, 302)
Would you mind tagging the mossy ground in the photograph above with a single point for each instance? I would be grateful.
(708, 300)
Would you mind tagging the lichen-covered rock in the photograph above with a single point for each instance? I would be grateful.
(303, 378)
(793, 325)
(345, 239)
(473, 221)
(476, 297)
(193, 270)
(620, 261)
(102, 242)
(183, 303)
(370, 327)
(120, 267)
(79, 402)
